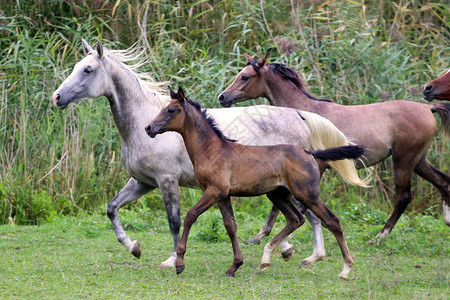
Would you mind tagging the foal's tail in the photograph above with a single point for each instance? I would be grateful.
(325, 135)
(443, 110)
(338, 153)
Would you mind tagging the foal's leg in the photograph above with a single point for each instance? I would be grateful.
(210, 196)
(331, 221)
(168, 186)
(267, 228)
(130, 192)
(282, 200)
(440, 180)
(230, 225)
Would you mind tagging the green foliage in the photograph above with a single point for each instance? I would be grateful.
(62, 162)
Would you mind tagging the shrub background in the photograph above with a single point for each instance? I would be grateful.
(56, 162)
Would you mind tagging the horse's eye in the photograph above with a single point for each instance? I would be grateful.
(170, 110)
(245, 77)
(88, 70)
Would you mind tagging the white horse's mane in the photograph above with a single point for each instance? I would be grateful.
(133, 59)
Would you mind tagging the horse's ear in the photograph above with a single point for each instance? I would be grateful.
(248, 57)
(263, 62)
(87, 49)
(99, 49)
(173, 95)
(181, 93)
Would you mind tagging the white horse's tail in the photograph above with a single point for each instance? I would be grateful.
(325, 135)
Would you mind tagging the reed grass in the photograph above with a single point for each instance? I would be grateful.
(60, 162)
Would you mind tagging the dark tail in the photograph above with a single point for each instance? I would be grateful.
(443, 110)
(338, 153)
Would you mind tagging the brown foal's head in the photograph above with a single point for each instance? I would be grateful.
(171, 117)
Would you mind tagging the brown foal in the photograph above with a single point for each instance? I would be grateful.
(224, 168)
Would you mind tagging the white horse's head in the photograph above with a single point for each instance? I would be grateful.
(89, 79)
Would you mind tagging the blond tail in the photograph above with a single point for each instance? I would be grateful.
(325, 135)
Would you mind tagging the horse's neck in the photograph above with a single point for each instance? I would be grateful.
(198, 136)
(131, 108)
(288, 95)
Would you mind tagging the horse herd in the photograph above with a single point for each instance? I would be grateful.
(280, 150)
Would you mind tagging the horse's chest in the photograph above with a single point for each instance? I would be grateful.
(149, 165)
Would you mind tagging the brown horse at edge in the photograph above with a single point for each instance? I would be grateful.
(438, 89)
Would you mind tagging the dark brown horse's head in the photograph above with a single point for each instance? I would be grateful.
(171, 117)
(438, 88)
(248, 84)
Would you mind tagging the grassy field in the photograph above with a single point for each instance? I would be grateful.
(79, 257)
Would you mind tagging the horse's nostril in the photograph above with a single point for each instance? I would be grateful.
(428, 88)
(148, 128)
(221, 97)
(58, 97)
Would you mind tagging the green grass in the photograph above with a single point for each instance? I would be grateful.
(79, 257)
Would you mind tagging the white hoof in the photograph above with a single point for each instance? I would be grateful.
(345, 271)
(169, 263)
(312, 259)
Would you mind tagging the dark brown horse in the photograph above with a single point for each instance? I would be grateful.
(438, 89)
(224, 168)
(403, 129)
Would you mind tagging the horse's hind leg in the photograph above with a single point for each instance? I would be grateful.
(130, 192)
(168, 186)
(319, 245)
(267, 228)
(440, 180)
(294, 219)
(331, 221)
(230, 225)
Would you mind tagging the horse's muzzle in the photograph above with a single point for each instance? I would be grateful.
(149, 131)
(428, 93)
(57, 101)
(225, 102)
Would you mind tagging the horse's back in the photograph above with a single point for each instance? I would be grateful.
(263, 125)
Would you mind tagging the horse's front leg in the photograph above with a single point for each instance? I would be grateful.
(170, 194)
(210, 196)
(130, 192)
(230, 225)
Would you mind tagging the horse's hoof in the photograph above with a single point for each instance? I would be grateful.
(136, 250)
(229, 274)
(180, 269)
(165, 265)
(288, 254)
(254, 240)
(343, 276)
(265, 266)
(311, 260)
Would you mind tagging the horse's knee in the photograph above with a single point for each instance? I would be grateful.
(112, 210)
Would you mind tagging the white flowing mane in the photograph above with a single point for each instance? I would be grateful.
(132, 59)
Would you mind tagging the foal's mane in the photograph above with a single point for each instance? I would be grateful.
(288, 74)
(210, 120)
(132, 59)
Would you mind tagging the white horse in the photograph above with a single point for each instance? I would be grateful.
(163, 162)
